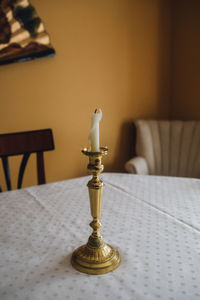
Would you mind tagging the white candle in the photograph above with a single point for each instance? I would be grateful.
(94, 132)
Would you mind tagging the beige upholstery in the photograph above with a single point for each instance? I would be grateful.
(170, 148)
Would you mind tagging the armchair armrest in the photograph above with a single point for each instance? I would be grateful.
(137, 165)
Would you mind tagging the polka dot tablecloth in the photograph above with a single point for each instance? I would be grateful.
(153, 221)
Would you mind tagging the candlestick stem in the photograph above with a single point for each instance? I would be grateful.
(96, 257)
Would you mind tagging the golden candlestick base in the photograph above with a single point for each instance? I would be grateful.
(95, 257)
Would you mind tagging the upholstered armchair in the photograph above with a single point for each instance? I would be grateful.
(170, 148)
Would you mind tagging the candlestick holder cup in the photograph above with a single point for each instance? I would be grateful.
(96, 257)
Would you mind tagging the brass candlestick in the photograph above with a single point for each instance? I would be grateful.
(96, 257)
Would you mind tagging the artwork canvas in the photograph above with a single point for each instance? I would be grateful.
(22, 33)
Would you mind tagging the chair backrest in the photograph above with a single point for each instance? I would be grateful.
(171, 148)
(25, 143)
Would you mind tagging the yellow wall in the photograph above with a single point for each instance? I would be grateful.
(186, 60)
(112, 54)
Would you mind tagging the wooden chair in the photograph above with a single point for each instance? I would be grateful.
(25, 143)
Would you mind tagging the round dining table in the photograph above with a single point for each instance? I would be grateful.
(153, 221)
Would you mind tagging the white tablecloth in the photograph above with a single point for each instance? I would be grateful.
(154, 222)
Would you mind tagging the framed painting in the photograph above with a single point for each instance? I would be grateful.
(22, 33)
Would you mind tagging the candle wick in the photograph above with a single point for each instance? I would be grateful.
(96, 111)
